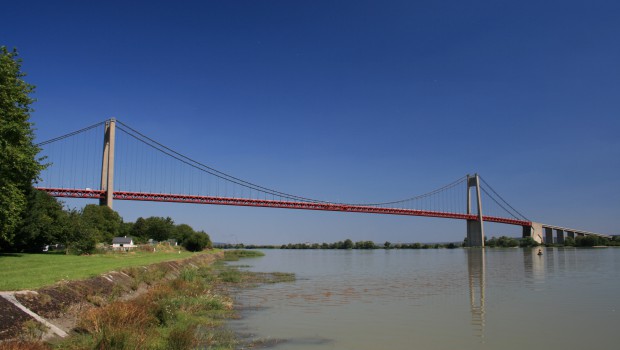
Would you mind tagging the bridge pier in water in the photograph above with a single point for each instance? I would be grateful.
(535, 231)
(475, 228)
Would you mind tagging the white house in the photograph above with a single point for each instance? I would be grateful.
(123, 243)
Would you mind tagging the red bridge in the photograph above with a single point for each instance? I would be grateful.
(146, 170)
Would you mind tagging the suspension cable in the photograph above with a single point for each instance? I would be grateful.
(502, 199)
(197, 165)
(251, 186)
(496, 202)
(428, 194)
(68, 135)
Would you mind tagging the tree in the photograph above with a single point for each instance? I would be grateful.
(182, 232)
(586, 241)
(348, 244)
(79, 237)
(19, 165)
(43, 223)
(138, 230)
(105, 221)
(158, 228)
(528, 242)
(504, 241)
(364, 245)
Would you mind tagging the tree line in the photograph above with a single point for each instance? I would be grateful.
(46, 222)
(493, 242)
(346, 244)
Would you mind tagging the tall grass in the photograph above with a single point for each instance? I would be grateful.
(234, 255)
(182, 313)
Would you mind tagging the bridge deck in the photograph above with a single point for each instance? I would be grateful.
(177, 198)
(565, 229)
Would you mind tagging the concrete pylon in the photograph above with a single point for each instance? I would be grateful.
(475, 228)
(107, 165)
(535, 231)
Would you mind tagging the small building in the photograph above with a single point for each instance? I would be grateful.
(123, 243)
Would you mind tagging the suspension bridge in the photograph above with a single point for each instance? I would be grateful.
(136, 167)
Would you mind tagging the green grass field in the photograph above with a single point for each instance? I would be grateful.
(31, 271)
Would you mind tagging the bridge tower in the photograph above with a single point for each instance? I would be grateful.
(107, 165)
(475, 228)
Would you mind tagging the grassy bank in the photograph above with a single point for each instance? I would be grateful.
(31, 271)
(184, 312)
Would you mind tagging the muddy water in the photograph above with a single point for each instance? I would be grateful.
(436, 299)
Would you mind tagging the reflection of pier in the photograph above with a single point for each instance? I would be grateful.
(476, 268)
(534, 265)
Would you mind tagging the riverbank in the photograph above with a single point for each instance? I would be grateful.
(171, 305)
(32, 271)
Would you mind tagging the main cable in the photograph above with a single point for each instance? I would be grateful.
(503, 200)
(204, 168)
(428, 194)
(68, 135)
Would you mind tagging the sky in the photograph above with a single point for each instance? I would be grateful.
(345, 101)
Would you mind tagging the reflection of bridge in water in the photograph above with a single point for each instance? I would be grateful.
(476, 267)
(534, 269)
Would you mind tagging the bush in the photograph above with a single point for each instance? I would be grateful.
(197, 241)
(181, 338)
(569, 241)
(85, 245)
(503, 241)
(590, 241)
(231, 276)
(234, 255)
(528, 242)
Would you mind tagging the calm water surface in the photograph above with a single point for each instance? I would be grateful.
(437, 299)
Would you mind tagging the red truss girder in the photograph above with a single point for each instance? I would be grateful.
(179, 198)
(71, 193)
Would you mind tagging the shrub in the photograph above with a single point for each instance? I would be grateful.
(586, 241)
(188, 274)
(503, 241)
(166, 312)
(528, 242)
(234, 255)
(23, 345)
(569, 241)
(115, 317)
(33, 331)
(182, 338)
(196, 242)
(84, 245)
(232, 276)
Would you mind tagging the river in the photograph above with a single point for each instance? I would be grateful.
(436, 299)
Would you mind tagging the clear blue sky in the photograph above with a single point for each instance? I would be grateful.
(346, 101)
